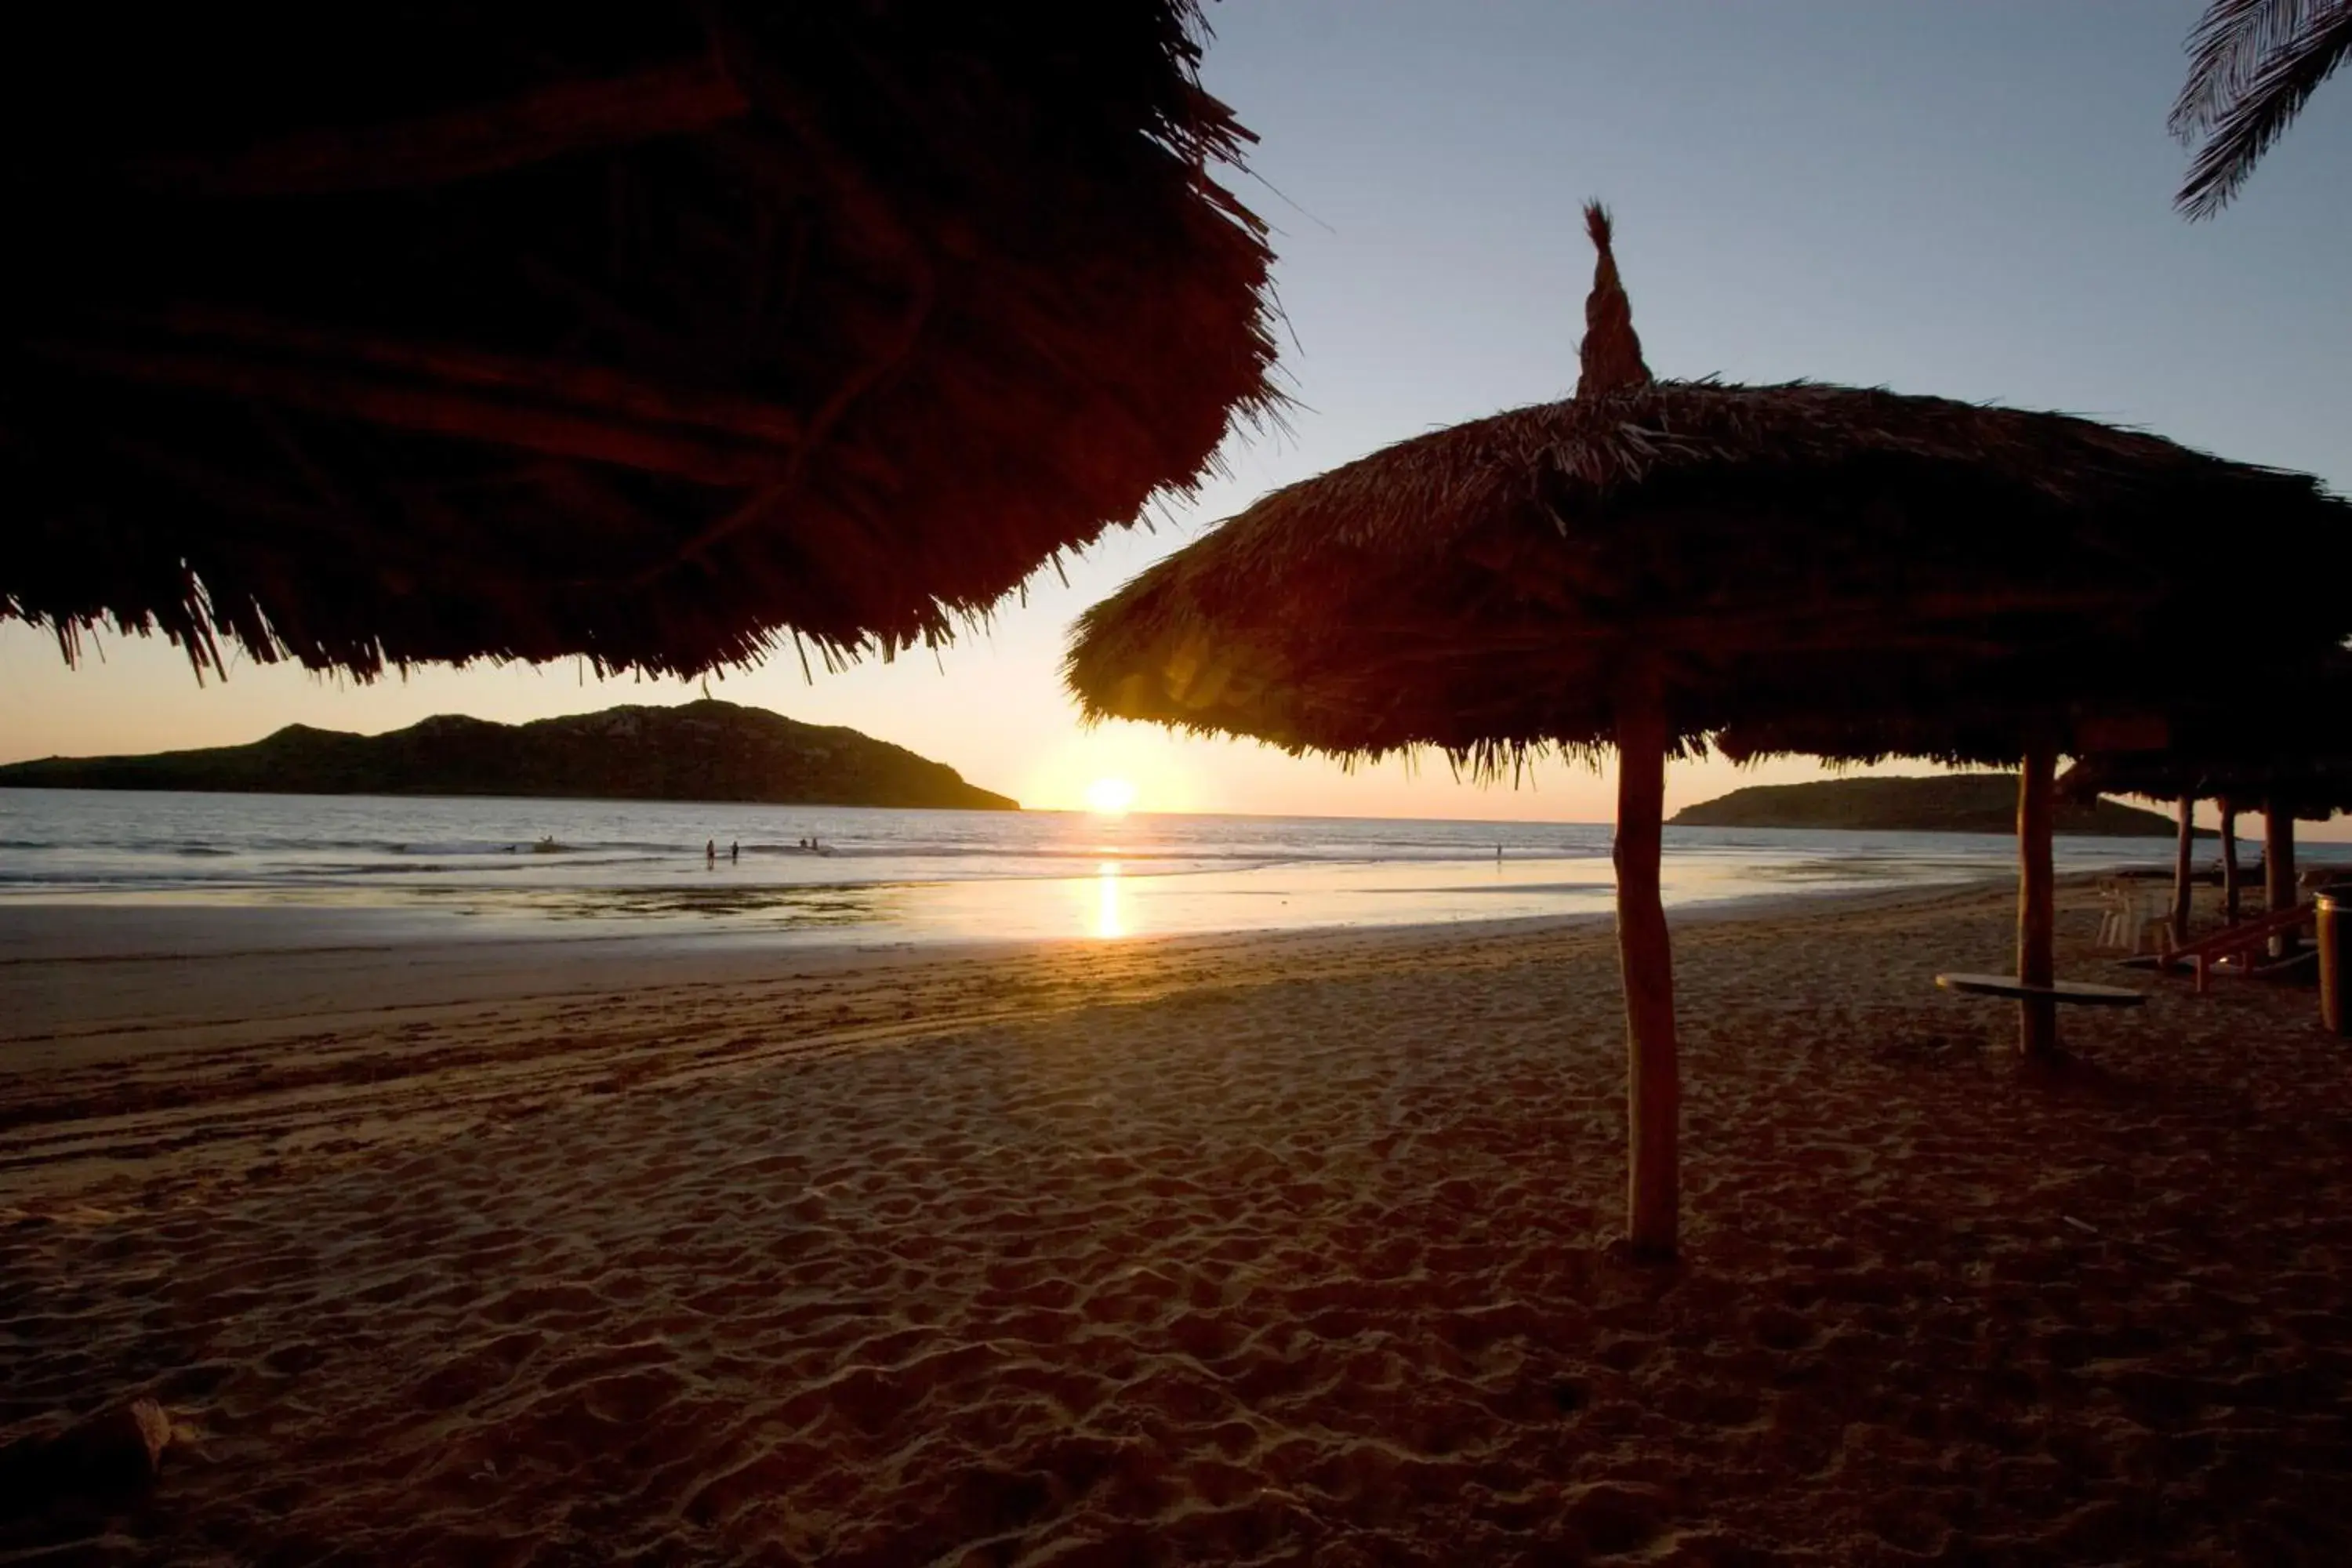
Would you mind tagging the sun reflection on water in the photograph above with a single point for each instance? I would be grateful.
(1108, 925)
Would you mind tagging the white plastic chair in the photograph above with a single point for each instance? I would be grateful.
(2133, 909)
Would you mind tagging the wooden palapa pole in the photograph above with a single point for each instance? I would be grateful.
(2278, 873)
(2183, 869)
(2036, 900)
(1610, 360)
(2228, 861)
(1646, 965)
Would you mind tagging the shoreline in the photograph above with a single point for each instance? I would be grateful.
(76, 971)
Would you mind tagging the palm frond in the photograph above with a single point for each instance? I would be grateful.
(2227, 48)
(2260, 113)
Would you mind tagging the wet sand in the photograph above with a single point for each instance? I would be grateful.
(1223, 1249)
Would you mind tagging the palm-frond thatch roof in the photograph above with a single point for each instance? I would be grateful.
(1845, 557)
(367, 335)
(2275, 732)
(2312, 788)
(2287, 746)
(1963, 732)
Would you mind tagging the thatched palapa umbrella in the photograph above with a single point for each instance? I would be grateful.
(2029, 735)
(2258, 723)
(1649, 562)
(366, 335)
(2283, 758)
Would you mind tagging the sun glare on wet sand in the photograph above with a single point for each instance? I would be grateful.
(1110, 797)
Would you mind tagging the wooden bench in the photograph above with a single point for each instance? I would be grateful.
(2208, 954)
(2068, 990)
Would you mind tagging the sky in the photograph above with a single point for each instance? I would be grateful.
(1968, 200)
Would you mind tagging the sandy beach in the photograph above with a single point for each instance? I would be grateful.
(1257, 1249)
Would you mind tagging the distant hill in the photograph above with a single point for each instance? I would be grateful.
(703, 751)
(1944, 802)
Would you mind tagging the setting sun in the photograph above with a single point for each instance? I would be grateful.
(1110, 797)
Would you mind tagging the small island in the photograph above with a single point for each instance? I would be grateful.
(700, 750)
(1941, 803)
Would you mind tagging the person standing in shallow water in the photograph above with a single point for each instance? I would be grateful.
(711, 853)
(734, 851)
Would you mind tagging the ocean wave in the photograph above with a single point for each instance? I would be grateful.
(1238, 856)
(214, 844)
(574, 845)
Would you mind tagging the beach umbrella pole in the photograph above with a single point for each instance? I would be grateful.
(2229, 862)
(1646, 964)
(2278, 871)
(2036, 901)
(2183, 869)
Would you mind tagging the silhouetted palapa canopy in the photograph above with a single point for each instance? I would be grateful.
(647, 333)
(1650, 562)
(2288, 745)
(2272, 711)
(2280, 748)
(2205, 725)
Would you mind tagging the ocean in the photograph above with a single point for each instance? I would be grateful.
(522, 866)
